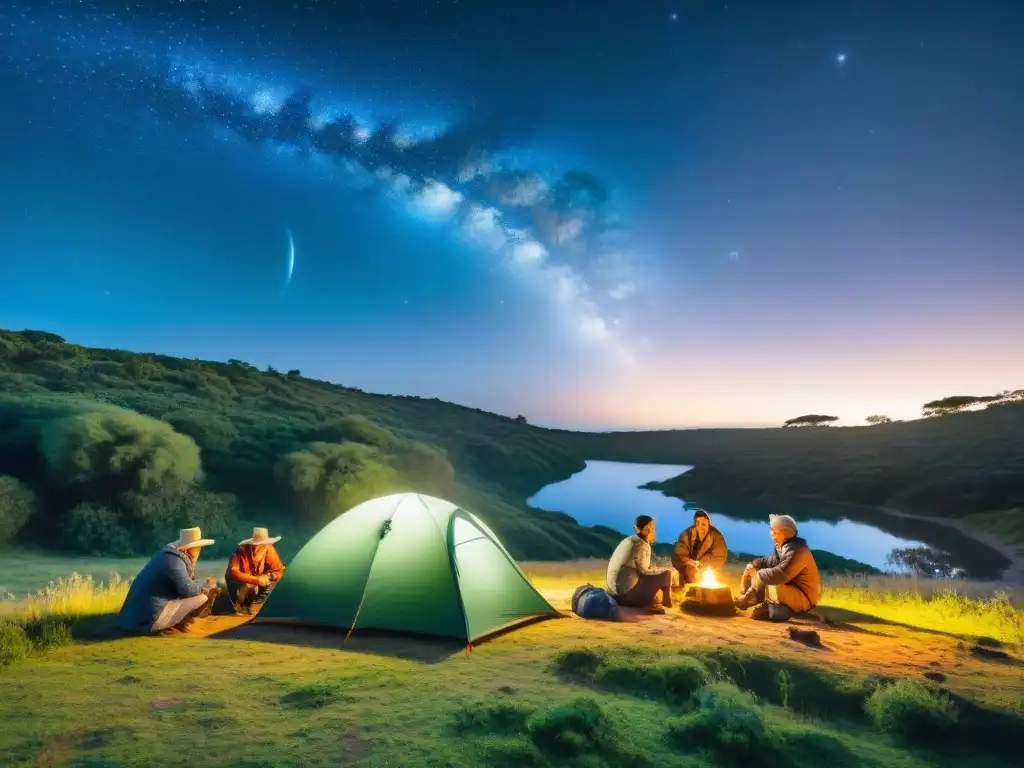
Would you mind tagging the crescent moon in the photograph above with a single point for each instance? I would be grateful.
(291, 262)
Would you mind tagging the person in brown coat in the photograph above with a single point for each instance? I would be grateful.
(699, 546)
(253, 570)
(786, 581)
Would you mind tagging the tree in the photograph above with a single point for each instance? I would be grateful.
(520, 419)
(954, 404)
(1007, 396)
(923, 561)
(112, 451)
(811, 420)
(356, 428)
(17, 505)
(327, 479)
(877, 419)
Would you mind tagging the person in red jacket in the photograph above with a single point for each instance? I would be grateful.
(253, 570)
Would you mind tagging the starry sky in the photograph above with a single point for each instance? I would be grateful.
(596, 214)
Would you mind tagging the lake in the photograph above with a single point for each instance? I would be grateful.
(606, 493)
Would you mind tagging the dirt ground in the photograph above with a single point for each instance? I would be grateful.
(853, 642)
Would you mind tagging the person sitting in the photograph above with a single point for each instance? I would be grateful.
(631, 580)
(166, 595)
(786, 581)
(253, 571)
(699, 546)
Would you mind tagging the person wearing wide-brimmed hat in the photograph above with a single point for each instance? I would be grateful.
(166, 595)
(253, 570)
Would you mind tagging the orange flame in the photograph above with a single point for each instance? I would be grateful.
(708, 579)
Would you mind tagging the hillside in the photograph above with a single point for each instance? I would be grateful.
(966, 466)
(108, 452)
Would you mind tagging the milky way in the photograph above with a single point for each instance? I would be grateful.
(558, 231)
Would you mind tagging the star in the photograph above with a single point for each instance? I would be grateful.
(840, 59)
(674, 16)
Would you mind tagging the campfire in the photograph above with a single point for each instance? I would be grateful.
(708, 596)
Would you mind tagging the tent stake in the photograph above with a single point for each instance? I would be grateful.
(469, 647)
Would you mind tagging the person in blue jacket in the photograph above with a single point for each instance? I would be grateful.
(166, 595)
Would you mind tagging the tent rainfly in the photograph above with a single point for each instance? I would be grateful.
(406, 563)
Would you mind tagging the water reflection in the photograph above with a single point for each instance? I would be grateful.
(607, 493)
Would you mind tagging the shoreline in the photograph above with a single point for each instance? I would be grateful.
(1014, 572)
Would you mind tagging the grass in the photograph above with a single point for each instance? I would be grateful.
(556, 693)
(958, 607)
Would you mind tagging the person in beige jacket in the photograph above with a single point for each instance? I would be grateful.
(786, 581)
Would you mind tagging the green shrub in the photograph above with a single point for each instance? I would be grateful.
(314, 696)
(17, 505)
(508, 752)
(327, 479)
(15, 644)
(568, 730)
(355, 428)
(910, 712)
(626, 671)
(113, 451)
(491, 717)
(578, 663)
(95, 529)
(726, 721)
(51, 632)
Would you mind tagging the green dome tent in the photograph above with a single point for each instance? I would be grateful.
(407, 563)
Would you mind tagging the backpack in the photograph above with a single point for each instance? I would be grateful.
(590, 602)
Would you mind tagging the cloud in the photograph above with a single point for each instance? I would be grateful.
(435, 198)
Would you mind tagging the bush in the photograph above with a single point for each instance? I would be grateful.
(51, 632)
(95, 529)
(728, 722)
(909, 712)
(672, 681)
(357, 429)
(327, 479)
(15, 644)
(491, 717)
(579, 664)
(569, 730)
(113, 451)
(17, 505)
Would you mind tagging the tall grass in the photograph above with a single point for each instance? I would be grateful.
(971, 609)
(66, 598)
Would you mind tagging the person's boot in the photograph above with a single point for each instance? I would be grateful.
(747, 600)
(762, 612)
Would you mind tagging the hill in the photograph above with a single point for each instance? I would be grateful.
(109, 452)
(962, 466)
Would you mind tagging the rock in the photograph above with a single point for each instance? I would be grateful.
(989, 642)
(989, 653)
(938, 677)
(808, 637)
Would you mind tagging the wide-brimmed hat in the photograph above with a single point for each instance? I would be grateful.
(189, 538)
(260, 537)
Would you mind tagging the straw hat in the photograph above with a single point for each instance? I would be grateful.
(189, 538)
(260, 537)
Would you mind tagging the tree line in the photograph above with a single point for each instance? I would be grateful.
(941, 407)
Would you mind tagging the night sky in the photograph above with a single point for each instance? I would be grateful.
(595, 214)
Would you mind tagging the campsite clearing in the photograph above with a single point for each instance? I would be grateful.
(273, 695)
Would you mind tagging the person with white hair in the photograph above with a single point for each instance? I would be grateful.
(786, 581)
(166, 596)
